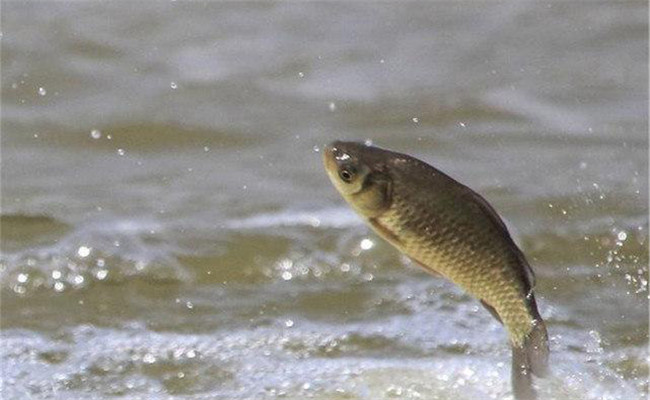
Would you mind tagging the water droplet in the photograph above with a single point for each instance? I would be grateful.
(622, 235)
(42, 91)
(366, 244)
(583, 165)
(95, 134)
(173, 85)
(189, 305)
(121, 152)
(59, 286)
(83, 251)
(22, 278)
(368, 142)
(288, 323)
(316, 148)
(415, 120)
(101, 274)
(79, 279)
(109, 137)
(332, 106)
(462, 124)
(206, 148)
(300, 74)
(382, 61)
(56, 274)
(286, 275)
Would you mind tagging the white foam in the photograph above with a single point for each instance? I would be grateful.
(330, 217)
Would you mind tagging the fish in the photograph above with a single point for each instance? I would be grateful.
(450, 231)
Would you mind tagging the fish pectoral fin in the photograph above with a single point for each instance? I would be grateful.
(385, 232)
(492, 311)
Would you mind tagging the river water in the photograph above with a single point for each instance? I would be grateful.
(168, 230)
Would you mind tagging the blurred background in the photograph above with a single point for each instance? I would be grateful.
(168, 230)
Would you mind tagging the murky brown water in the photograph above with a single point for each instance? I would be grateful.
(168, 230)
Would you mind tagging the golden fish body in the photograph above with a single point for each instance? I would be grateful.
(448, 229)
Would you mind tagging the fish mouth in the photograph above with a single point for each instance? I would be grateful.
(330, 156)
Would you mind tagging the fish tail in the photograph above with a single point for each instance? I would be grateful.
(536, 346)
(522, 381)
(531, 358)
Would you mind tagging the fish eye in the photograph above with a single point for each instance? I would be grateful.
(347, 173)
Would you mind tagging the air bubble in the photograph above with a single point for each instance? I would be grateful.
(95, 134)
(42, 91)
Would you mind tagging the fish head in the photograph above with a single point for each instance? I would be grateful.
(359, 174)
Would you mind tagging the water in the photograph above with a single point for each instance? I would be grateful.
(168, 229)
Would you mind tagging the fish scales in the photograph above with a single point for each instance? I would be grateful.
(445, 243)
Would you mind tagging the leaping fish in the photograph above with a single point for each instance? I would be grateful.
(452, 231)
